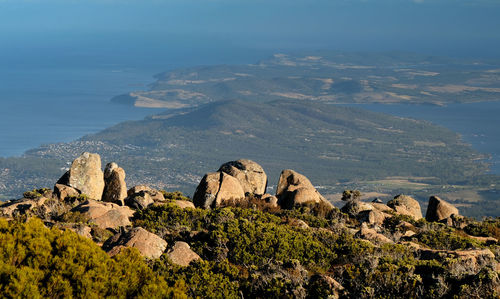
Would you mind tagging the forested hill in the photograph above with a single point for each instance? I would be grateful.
(335, 146)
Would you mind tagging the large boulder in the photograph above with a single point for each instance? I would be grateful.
(438, 209)
(183, 204)
(374, 217)
(251, 175)
(115, 188)
(355, 207)
(155, 195)
(218, 189)
(406, 205)
(41, 207)
(295, 189)
(18, 207)
(139, 201)
(181, 254)
(105, 214)
(62, 191)
(149, 245)
(85, 175)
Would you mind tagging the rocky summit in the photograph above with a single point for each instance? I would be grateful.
(234, 240)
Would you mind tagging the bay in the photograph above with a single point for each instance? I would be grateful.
(48, 105)
(60, 90)
(477, 123)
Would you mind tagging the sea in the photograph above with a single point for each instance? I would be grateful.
(60, 92)
(477, 123)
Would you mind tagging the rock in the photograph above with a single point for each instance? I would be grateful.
(410, 244)
(19, 207)
(183, 204)
(377, 200)
(105, 214)
(328, 283)
(297, 223)
(85, 175)
(354, 207)
(251, 175)
(218, 189)
(372, 235)
(439, 209)
(62, 191)
(409, 234)
(181, 254)
(139, 201)
(486, 240)
(271, 200)
(155, 195)
(373, 217)
(149, 245)
(295, 189)
(42, 207)
(115, 188)
(471, 261)
(405, 205)
(81, 229)
(382, 207)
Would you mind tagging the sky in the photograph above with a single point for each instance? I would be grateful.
(441, 27)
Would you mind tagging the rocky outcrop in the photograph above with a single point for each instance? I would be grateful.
(115, 188)
(438, 209)
(251, 175)
(62, 191)
(105, 214)
(182, 255)
(155, 195)
(295, 189)
(183, 204)
(354, 207)
(406, 205)
(149, 245)
(370, 234)
(271, 200)
(79, 228)
(381, 207)
(41, 207)
(373, 217)
(85, 175)
(218, 189)
(19, 207)
(470, 260)
(139, 201)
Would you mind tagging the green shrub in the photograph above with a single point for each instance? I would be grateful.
(176, 195)
(39, 262)
(37, 193)
(202, 279)
(446, 239)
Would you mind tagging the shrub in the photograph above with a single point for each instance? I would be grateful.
(39, 262)
(37, 193)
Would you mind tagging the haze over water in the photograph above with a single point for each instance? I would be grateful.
(61, 61)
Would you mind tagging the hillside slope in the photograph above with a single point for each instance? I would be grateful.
(335, 146)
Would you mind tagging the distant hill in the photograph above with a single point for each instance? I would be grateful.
(328, 77)
(334, 146)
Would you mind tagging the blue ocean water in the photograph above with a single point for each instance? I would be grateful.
(477, 123)
(45, 105)
(60, 90)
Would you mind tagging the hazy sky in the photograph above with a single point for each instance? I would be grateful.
(455, 27)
